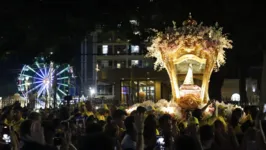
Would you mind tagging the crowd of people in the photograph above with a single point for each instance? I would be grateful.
(111, 128)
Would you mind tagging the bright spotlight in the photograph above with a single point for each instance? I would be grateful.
(235, 97)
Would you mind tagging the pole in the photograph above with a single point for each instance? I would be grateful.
(263, 81)
(55, 89)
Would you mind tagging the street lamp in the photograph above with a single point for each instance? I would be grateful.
(92, 92)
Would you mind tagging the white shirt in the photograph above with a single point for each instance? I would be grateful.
(128, 143)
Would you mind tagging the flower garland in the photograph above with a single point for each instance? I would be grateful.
(210, 39)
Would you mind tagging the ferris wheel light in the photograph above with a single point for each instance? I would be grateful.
(39, 78)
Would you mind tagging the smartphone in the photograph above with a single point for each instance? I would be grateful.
(160, 143)
(5, 132)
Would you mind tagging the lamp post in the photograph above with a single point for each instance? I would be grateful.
(92, 92)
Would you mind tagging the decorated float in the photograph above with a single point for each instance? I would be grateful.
(189, 54)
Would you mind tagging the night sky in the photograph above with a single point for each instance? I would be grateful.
(29, 28)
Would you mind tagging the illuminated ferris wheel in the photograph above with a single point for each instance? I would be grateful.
(45, 80)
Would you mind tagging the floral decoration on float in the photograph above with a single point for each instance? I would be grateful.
(188, 52)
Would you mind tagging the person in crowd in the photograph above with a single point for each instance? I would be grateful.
(206, 133)
(150, 132)
(129, 140)
(34, 116)
(222, 115)
(118, 117)
(8, 117)
(32, 136)
(112, 130)
(236, 124)
(165, 124)
(17, 118)
(88, 108)
(134, 131)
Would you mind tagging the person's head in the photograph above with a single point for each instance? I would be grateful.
(150, 120)
(206, 134)
(119, 117)
(34, 116)
(237, 113)
(254, 110)
(25, 128)
(89, 106)
(236, 116)
(198, 114)
(129, 124)
(149, 127)
(219, 126)
(141, 109)
(111, 129)
(17, 113)
(165, 123)
(82, 107)
(188, 114)
(113, 109)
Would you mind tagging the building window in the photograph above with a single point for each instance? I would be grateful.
(105, 49)
(121, 49)
(125, 92)
(104, 89)
(137, 91)
(134, 49)
(148, 89)
(134, 62)
(148, 63)
(118, 65)
(104, 64)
